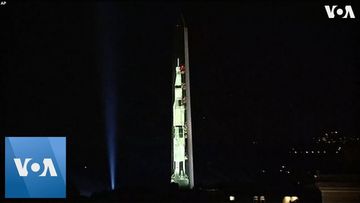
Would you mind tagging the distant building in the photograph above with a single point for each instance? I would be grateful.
(339, 188)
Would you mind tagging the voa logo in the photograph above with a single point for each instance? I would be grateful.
(335, 10)
(35, 167)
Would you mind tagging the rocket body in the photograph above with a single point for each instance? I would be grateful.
(182, 166)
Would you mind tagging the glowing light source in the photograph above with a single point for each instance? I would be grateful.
(290, 199)
(286, 199)
(231, 198)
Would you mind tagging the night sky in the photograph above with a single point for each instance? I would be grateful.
(277, 74)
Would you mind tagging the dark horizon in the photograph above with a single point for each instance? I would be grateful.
(265, 78)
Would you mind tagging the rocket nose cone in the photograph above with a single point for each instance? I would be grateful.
(181, 21)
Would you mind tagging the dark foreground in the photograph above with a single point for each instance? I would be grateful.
(179, 196)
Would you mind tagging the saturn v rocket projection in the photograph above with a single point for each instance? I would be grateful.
(182, 157)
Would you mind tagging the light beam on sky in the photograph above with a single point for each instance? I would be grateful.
(107, 19)
(110, 101)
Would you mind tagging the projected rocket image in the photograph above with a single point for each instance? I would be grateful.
(182, 161)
